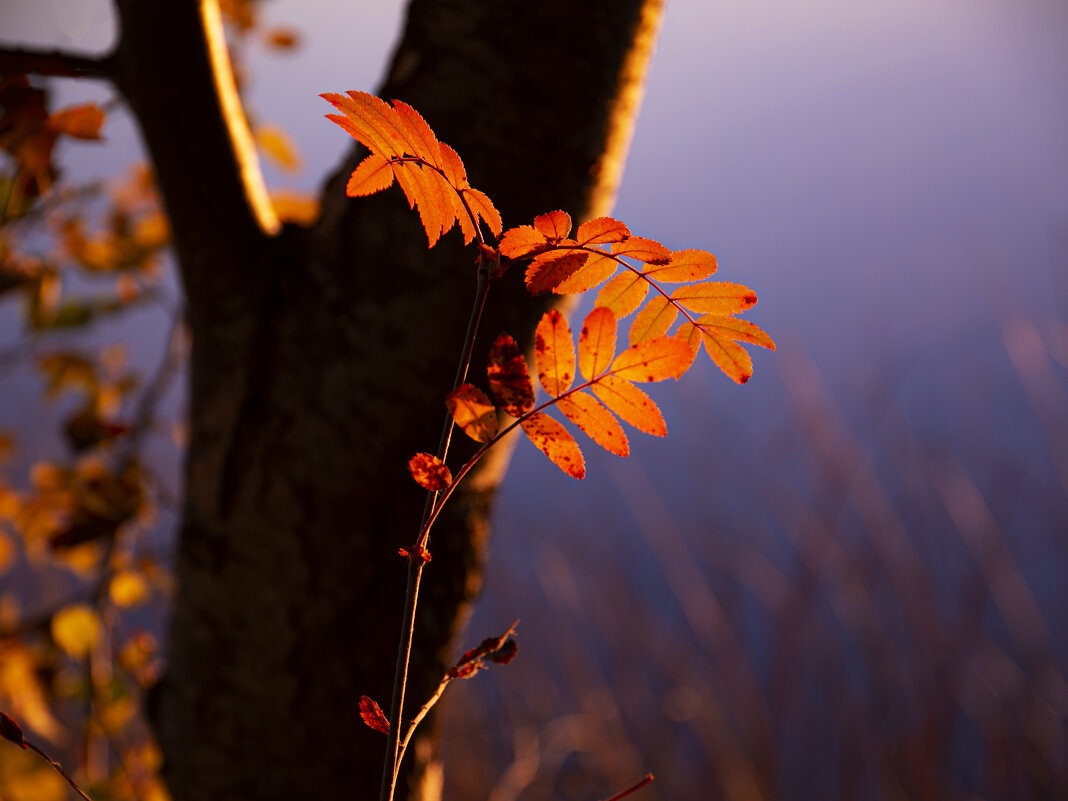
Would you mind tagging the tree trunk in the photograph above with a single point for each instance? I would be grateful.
(320, 362)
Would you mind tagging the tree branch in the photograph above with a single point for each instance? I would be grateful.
(55, 63)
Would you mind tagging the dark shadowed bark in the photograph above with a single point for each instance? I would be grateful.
(320, 362)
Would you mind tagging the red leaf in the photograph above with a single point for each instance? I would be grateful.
(10, 730)
(372, 715)
(554, 355)
(551, 438)
(601, 231)
(597, 342)
(371, 175)
(509, 378)
(642, 249)
(653, 360)
(429, 471)
(473, 412)
(596, 422)
(549, 270)
(521, 241)
(631, 404)
(555, 225)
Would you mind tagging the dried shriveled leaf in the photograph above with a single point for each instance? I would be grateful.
(521, 241)
(554, 355)
(429, 471)
(597, 269)
(654, 319)
(556, 225)
(551, 438)
(597, 342)
(473, 412)
(685, 265)
(81, 122)
(624, 293)
(547, 271)
(371, 175)
(499, 650)
(509, 378)
(602, 231)
(596, 422)
(631, 404)
(372, 714)
(642, 249)
(653, 360)
(716, 297)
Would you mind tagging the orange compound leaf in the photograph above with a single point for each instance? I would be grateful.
(549, 270)
(720, 336)
(716, 297)
(371, 175)
(521, 241)
(551, 438)
(654, 319)
(596, 422)
(372, 715)
(685, 265)
(554, 355)
(602, 231)
(453, 167)
(631, 404)
(653, 360)
(642, 249)
(597, 342)
(473, 412)
(733, 328)
(556, 225)
(624, 293)
(421, 140)
(429, 472)
(509, 378)
(483, 207)
(599, 267)
(368, 120)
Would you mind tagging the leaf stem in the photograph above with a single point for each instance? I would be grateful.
(394, 749)
(58, 769)
(647, 779)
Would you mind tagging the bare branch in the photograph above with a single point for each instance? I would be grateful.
(55, 63)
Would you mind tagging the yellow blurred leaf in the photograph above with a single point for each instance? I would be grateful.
(76, 630)
(128, 588)
(23, 695)
(278, 147)
(295, 207)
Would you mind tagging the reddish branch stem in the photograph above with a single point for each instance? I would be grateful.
(415, 565)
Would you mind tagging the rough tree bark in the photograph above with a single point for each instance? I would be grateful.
(319, 365)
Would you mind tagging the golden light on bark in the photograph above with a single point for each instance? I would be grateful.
(236, 123)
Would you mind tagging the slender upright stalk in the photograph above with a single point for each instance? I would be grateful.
(415, 565)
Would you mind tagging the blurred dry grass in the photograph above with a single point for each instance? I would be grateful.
(889, 620)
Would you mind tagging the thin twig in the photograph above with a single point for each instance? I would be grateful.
(646, 780)
(391, 768)
(58, 768)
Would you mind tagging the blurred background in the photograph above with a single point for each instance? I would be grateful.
(846, 579)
